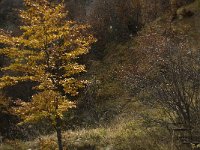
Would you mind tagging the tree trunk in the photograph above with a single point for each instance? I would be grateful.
(59, 134)
(173, 6)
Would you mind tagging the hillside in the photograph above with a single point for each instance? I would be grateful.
(112, 112)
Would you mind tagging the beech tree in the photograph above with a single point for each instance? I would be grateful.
(46, 53)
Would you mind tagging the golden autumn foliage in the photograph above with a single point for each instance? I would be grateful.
(47, 104)
(45, 53)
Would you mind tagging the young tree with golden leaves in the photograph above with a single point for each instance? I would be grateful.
(46, 53)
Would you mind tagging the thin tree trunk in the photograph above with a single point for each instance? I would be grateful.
(59, 134)
(173, 6)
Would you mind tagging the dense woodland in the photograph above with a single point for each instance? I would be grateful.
(99, 74)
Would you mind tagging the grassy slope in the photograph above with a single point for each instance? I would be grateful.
(127, 130)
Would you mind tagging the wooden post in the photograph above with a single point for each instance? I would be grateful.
(172, 144)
